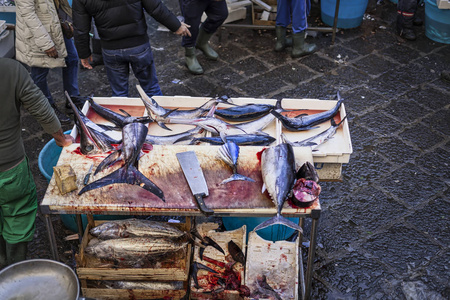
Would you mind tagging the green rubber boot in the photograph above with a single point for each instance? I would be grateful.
(16, 252)
(2, 252)
(299, 47)
(191, 61)
(203, 44)
(280, 32)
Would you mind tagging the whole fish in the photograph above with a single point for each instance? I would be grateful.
(318, 139)
(244, 112)
(229, 153)
(144, 285)
(174, 138)
(135, 228)
(278, 174)
(238, 139)
(118, 119)
(133, 138)
(307, 122)
(133, 249)
(91, 141)
(161, 115)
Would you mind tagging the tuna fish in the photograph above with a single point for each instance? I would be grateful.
(278, 174)
(130, 228)
(133, 138)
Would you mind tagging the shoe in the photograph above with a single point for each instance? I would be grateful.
(78, 101)
(407, 33)
(63, 119)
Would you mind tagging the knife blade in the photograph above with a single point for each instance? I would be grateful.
(194, 176)
(88, 174)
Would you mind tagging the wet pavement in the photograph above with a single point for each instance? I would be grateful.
(384, 230)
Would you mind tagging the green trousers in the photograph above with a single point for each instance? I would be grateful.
(18, 204)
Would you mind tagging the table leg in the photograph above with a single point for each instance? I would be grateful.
(311, 253)
(51, 237)
(336, 13)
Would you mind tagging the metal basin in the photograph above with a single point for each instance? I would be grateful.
(38, 279)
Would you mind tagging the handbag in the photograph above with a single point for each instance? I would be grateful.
(67, 29)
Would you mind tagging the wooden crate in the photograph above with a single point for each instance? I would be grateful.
(222, 238)
(257, 12)
(92, 270)
(278, 261)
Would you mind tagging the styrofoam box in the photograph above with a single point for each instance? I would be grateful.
(443, 4)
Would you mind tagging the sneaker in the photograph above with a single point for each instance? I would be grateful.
(63, 119)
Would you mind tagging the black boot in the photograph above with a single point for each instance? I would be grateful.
(405, 26)
(191, 61)
(16, 252)
(62, 117)
(203, 44)
(299, 47)
(280, 32)
(406, 33)
(2, 252)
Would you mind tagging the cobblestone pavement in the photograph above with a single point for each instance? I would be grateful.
(384, 230)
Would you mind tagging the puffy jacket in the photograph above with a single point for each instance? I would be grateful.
(120, 23)
(37, 30)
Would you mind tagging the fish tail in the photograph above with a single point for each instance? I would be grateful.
(236, 177)
(162, 125)
(278, 219)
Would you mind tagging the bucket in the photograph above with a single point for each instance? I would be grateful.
(48, 158)
(350, 15)
(437, 22)
(271, 233)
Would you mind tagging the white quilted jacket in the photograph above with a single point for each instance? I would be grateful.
(38, 29)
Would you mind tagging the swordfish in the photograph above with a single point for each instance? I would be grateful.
(133, 138)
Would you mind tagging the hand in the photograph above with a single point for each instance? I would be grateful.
(63, 140)
(85, 62)
(183, 30)
(52, 52)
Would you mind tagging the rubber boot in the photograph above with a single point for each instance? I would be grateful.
(191, 61)
(405, 27)
(280, 32)
(16, 252)
(2, 252)
(203, 44)
(299, 47)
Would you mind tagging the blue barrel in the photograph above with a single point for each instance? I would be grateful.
(437, 22)
(48, 158)
(271, 233)
(351, 12)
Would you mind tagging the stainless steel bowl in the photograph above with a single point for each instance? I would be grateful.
(38, 279)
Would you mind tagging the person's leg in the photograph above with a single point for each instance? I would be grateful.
(19, 206)
(70, 72)
(300, 10)
(117, 71)
(143, 65)
(283, 19)
(216, 12)
(192, 11)
(39, 76)
(406, 10)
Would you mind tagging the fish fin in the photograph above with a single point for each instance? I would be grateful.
(278, 219)
(125, 112)
(235, 177)
(225, 100)
(114, 177)
(162, 125)
(200, 253)
(278, 104)
(212, 243)
(185, 138)
(145, 183)
(169, 112)
(108, 161)
(263, 189)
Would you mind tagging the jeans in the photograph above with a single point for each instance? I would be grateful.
(299, 11)
(117, 63)
(216, 12)
(70, 74)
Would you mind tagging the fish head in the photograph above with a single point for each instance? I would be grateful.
(308, 172)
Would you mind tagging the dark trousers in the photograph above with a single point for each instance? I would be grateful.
(406, 10)
(192, 10)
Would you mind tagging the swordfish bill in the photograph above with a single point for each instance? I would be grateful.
(133, 138)
(278, 173)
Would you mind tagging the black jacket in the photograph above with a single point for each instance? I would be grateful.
(120, 23)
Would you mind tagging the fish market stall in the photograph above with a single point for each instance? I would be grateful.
(162, 186)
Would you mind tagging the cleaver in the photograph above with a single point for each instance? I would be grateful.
(194, 176)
